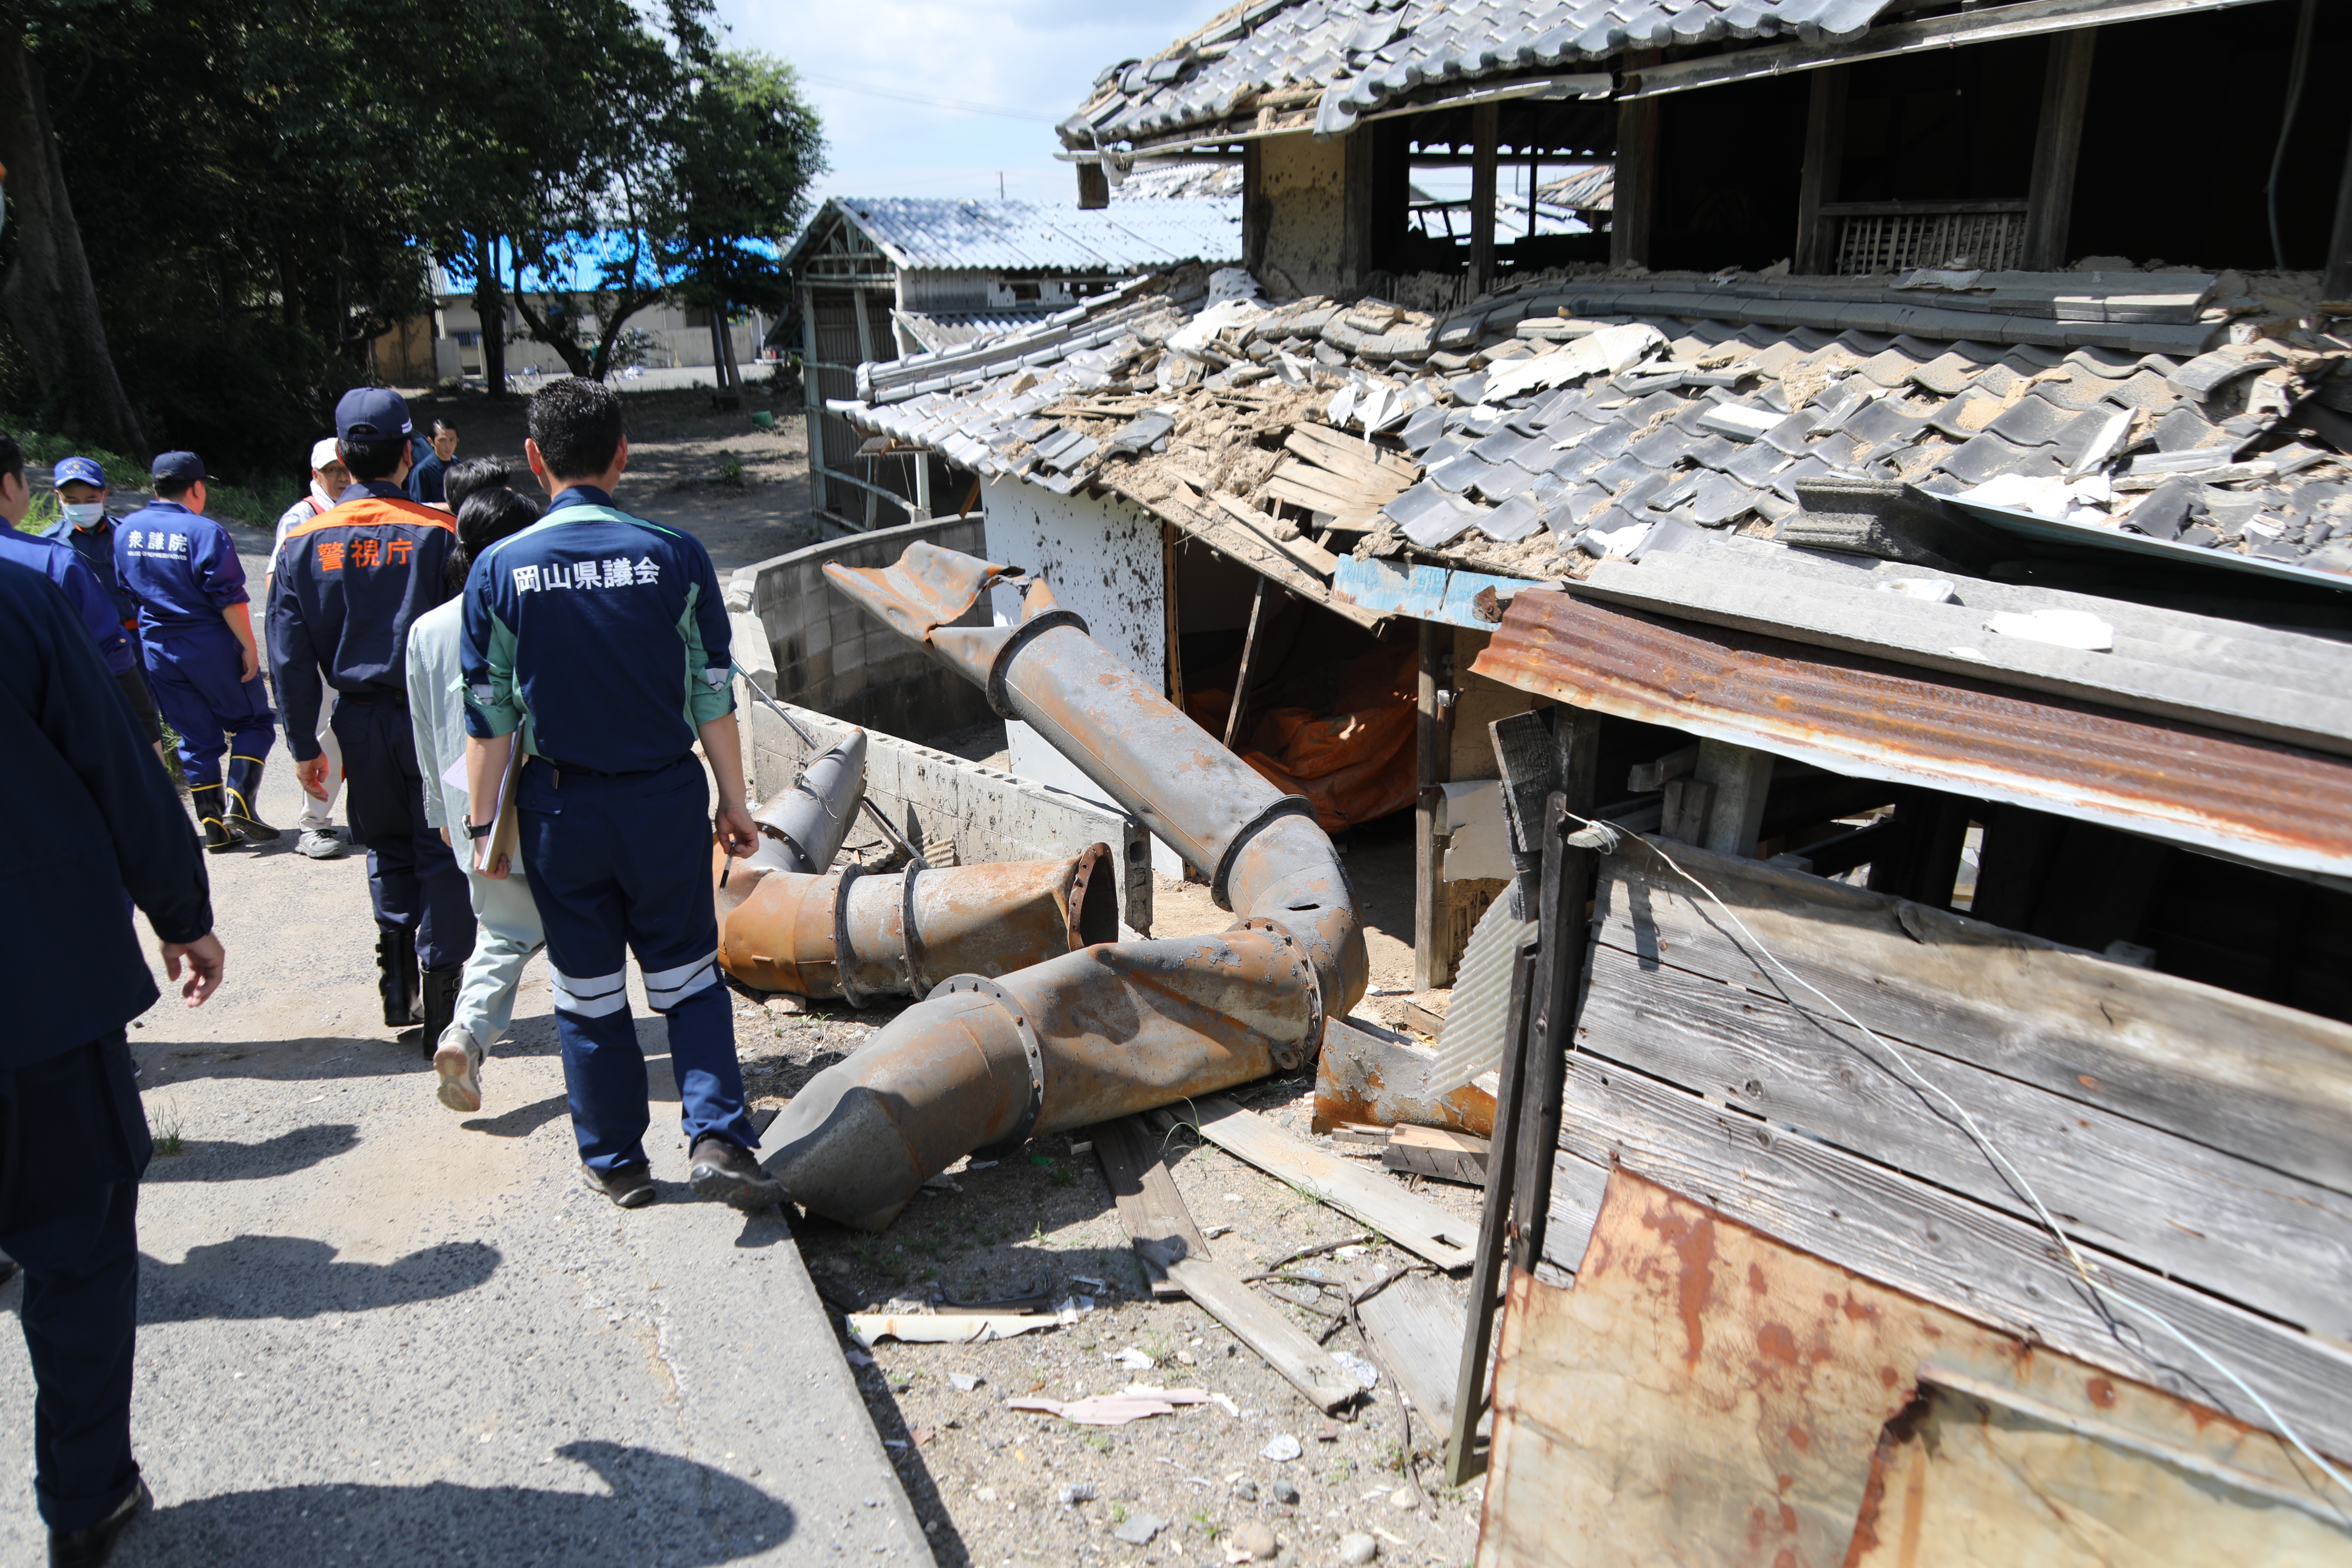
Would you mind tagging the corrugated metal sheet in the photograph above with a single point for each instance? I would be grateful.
(1871, 718)
(1041, 236)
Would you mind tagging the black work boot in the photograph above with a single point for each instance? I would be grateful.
(727, 1171)
(397, 980)
(92, 1547)
(243, 787)
(206, 799)
(440, 1003)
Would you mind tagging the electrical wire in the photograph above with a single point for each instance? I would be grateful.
(2296, 69)
(957, 105)
(1604, 836)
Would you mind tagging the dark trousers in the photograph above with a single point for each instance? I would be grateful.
(73, 1144)
(620, 865)
(414, 881)
(192, 674)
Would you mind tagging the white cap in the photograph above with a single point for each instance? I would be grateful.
(323, 452)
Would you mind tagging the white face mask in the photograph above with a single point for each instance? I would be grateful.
(81, 514)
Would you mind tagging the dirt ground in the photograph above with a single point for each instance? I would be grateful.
(994, 1487)
(742, 491)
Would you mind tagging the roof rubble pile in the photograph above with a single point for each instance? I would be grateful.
(1536, 418)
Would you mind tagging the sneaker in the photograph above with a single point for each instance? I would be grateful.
(458, 1062)
(93, 1547)
(631, 1187)
(319, 844)
(724, 1170)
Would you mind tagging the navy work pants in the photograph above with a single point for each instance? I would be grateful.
(73, 1144)
(414, 881)
(192, 672)
(624, 863)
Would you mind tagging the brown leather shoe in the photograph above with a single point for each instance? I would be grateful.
(723, 1170)
(631, 1187)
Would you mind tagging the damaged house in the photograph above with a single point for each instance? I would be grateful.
(1862, 637)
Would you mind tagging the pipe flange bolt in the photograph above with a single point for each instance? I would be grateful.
(1293, 1056)
(1030, 1047)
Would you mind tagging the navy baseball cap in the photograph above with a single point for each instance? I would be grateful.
(370, 414)
(178, 466)
(84, 470)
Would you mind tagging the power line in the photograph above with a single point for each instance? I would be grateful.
(923, 98)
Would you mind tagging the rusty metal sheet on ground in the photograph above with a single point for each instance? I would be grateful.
(1707, 1396)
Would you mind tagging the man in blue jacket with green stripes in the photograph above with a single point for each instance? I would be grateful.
(602, 640)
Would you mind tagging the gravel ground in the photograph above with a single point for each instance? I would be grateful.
(990, 1483)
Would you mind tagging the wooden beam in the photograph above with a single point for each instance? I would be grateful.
(1502, 1172)
(1415, 1328)
(1567, 927)
(1094, 187)
(1257, 210)
(1742, 778)
(1172, 620)
(1149, 1207)
(813, 393)
(1485, 121)
(1356, 203)
(1816, 248)
(1433, 924)
(1248, 666)
(1418, 1225)
(2057, 144)
(1438, 1152)
(1253, 1320)
(1637, 178)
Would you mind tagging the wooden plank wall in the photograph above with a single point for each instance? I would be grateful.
(2196, 1145)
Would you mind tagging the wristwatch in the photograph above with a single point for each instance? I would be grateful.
(479, 829)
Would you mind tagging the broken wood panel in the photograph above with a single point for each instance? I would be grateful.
(1708, 1396)
(1415, 1224)
(1307, 554)
(1949, 1251)
(1350, 455)
(1257, 1323)
(2243, 1231)
(2253, 1079)
(1359, 485)
(1572, 1209)
(1250, 549)
(1149, 1207)
(1416, 1327)
(1435, 1151)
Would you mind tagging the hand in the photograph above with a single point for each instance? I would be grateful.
(312, 776)
(205, 963)
(252, 665)
(496, 870)
(445, 835)
(735, 830)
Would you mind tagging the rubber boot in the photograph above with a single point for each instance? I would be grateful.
(206, 799)
(244, 789)
(440, 1003)
(396, 961)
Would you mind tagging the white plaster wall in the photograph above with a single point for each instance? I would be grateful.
(1101, 556)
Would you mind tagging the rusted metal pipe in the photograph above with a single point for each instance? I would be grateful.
(1111, 1029)
(862, 936)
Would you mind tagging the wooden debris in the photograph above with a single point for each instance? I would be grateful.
(1428, 1020)
(1149, 1207)
(1219, 1293)
(1304, 551)
(1435, 1151)
(1415, 1327)
(1415, 1224)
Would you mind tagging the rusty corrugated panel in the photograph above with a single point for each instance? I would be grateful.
(1875, 719)
(1708, 1396)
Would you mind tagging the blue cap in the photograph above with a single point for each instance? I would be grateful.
(84, 470)
(178, 466)
(370, 414)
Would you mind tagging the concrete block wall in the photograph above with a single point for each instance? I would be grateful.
(830, 656)
(937, 799)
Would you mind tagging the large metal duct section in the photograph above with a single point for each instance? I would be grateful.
(1111, 1028)
(862, 936)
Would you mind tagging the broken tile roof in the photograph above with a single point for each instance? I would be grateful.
(1577, 412)
(1349, 58)
(941, 234)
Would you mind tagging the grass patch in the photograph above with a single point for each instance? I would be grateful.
(170, 1139)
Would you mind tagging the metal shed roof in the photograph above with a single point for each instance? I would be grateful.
(945, 235)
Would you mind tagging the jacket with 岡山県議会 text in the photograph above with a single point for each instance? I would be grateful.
(602, 637)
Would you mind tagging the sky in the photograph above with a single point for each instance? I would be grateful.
(1033, 60)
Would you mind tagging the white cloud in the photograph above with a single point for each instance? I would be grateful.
(1039, 57)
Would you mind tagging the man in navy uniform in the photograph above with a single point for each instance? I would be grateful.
(345, 587)
(603, 639)
(84, 523)
(196, 632)
(73, 1138)
(69, 567)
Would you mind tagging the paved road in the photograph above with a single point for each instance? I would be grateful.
(373, 1331)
